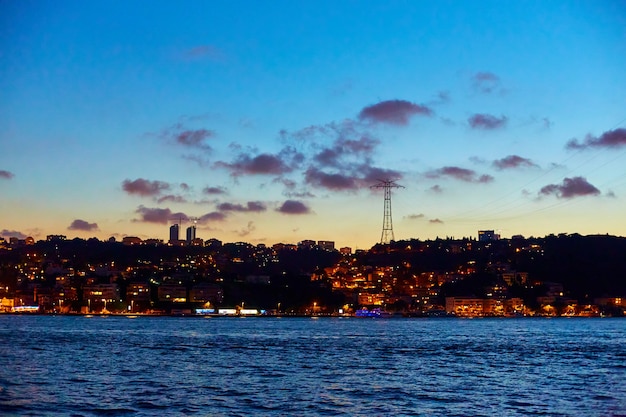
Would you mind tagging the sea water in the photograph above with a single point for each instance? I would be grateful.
(85, 366)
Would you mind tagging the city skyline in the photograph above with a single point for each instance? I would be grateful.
(269, 123)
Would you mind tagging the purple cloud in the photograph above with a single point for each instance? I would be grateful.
(214, 190)
(144, 188)
(485, 82)
(293, 207)
(12, 233)
(157, 215)
(414, 216)
(194, 138)
(214, 216)
(343, 148)
(486, 121)
(82, 225)
(610, 139)
(435, 221)
(513, 161)
(6, 174)
(251, 206)
(336, 182)
(264, 164)
(461, 174)
(172, 198)
(396, 112)
(570, 188)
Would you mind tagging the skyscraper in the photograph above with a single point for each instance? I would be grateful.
(191, 234)
(173, 233)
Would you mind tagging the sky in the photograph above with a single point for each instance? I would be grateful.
(269, 121)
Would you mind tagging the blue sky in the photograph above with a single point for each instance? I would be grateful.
(268, 121)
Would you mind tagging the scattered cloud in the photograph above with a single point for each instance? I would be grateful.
(251, 206)
(486, 82)
(194, 138)
(513, 161)
(570, 188)
(461, 174)
(171, 198)
(83, 225)
(214, 216)
(293, 207)
(486, 121)
(610, 139)
(436, 189)
(247, 230)
(144, 188)
(263, 164)
(12, 233)
(214, 190)
(203, 52)
(435, 221)
(546, 123)
(335, 182)
(157, 215)
(6, 174)
(359, 148)
(414, 216)
(395, 112)
(442, 97)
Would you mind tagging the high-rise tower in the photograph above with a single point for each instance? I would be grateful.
(191, 234)
(174, 229)
(387, 234)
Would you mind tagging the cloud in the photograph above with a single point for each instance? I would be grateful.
(214, 216)
(82, 225)
(144, 188)
(486, 82)
(335, 182)
(172, 198)
(570, 188)
(461, 174)
(264, 164)
(513, 161)
(436, 189)
(12, 233)
(204, 51)
(396, 112)
(435, 221)
(293, 207)
(214, 190)
(6, 174)
(251, 206)
(343, 147)
(157, 215)
(247, 230)
(194, 138)
(611, 139)
(486, 121)
(414, 216)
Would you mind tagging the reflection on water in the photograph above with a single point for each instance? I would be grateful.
(266, 366)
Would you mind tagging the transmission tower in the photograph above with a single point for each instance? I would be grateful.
(387, 234)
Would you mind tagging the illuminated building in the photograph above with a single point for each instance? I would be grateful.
(326, 244)
(487, 235)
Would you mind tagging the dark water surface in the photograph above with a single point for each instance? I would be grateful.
(311, 367)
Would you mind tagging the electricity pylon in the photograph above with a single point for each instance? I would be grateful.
(387, 234)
